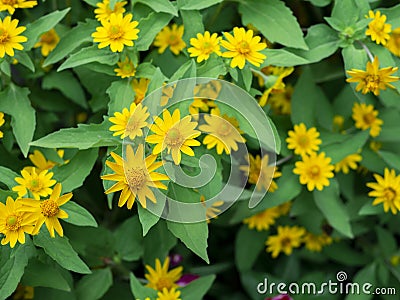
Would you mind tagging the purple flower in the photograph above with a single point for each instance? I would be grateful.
(186, 279)
(280, 297)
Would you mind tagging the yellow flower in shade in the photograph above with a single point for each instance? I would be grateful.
(285, 241)
(263, 220)
(166, 294)
(375, 146)
(125, 68)
(204, 45)
(204, 97)
(48, 211)
(117, 31)
(170, 37)
(40, 161)
(11, 5)
(284, 208)
(338, 122)
(23, 292)
(134, 177)
(48, 41)
(160, 278)
(38, 184)
(10, 37)
(174, 134)
(373, 79)
(274, 81)
(315, 243)
(129, 123)
(394, 42)
(14, 222)
(223, 132)
(104, 11)
(315, 171)
(386, 190)
(213, 210)
(1, 123)
(281, 102)
(260, 173)
(167, 93)
(140, 87)
(347, 163)
(366, 117)
(303, 141)
(377, 28)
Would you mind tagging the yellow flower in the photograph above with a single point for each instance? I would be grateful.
(347, 163)
(281, 102)
(117, 31)
(167, 93)
(373, 79)
(205, 94)
(315, 243)
(394, 42)
(170, 37)
(10, 37)
(14, 222)
(366, 118)
(377, 28)
(213, 210)
(223, 132)
(284, 208)
(303, 141)
(286, 239)
(262, 220)
(23, 292)
(125, 68)
(48, 41)
(48, 211)
(375, 146)
(11, 5)
(130, 122)
(242, 47)
(140, 87)
(260, 173)
(386, 190)
(338, 122)
(166, 294)
(103, 10)
(134, 177)
(204, 45)
(315, 171)
(1, 123)
(40, 161)
(174, 134)
(38, 184)
(160, 278)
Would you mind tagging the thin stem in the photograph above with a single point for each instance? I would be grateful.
(263, 76)
(371, 57)
(283, 160)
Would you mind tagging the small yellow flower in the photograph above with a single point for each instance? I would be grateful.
(160, 278)
(373, 79)
(140, 87)
(315, 243)
(23, 292)
(263, 220)
(242, 47)
(347, 163)
(171, 294)
(394, 42)
(125, 68)
(285, 241)
(366, 117)
(204, 45)
(386, 190)
(48, 41)
(40, 161)
(167, 93)
(303, 141)
(213, 210)
(117, 31)
(281, 102)
(1, 123)
(338, 122)
(38, 184)
(377, 28)
(11, 5)
(10, 37)
(315, 171)
(104, 11)
(205, 94)
(395, 260)
(375, 146)
(170, 37)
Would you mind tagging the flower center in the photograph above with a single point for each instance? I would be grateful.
(369, 118)
(49, 208)
(224, 129)
(131, 127)
(389, 193)
(10, 2)
(3, 36)
(136, 178)
(244, 47)
(127, 68)
(115, 32)
(286, 242)
(36, 185)
(303, 141)
(314, 171)
(13, 222)
(164, 283)
(48, 38)
(372, 81)
(174, 137)
(173, 39)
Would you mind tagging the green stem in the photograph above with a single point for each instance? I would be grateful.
(370, 56)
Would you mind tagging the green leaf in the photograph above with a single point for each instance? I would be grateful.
(366, 274)
(160, 6)
(193, 24)
(196, 5)
(320, 3)
(392, 159)
(121, 96)
(346, 12)
(387, 242)
(198, 288)
(78, 215)
(147, 219)
(25, 60)
(7, 177)
(129, 239)
(248, 245)
(139, 291)
(212, 68)
(95, 285)
(187, 70)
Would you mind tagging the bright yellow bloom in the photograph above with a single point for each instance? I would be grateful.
(213, 210)
(375, 146)
(104, 11)
(14, 222)
(170, 37)
(125, 68)
(10, 37)
(166, 294)
(48, 41)
(347, 163)
(366, 117)
(160, 278)
(286, 239)
(394, 42)
(315, 171)
(242, 47)
(117, 31)
(134, 177)
(204, 45)
(174, 134)
(129, 123)
(377, 28)
(315, 243)
(1, 123)
(263, 220)
(386, 190)
(140, 87)
(303, 141)
(38, 184)
(373, 79)
(11, 5)
(48, 211)
(40, 161)
(281, 102)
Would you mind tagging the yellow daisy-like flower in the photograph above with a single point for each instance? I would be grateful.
(263, 220)
(386, 190)
(274, 83)
(10, 37)
(166, 294)
(140, 87)
(1, 123)
(167, 93)
(213, 210)
(242, 47)
(315, 171)
(12, 5)
(375, 146)
(365, 117)
(14, 222)
(373, 79)
(285, 241)
(174, 134)
(38, 184)
(204, 45)
(40, 161)
(48, 211)
(104, 11)
(134, 176)
(394, 42)
(170, 37)
(125, 68)
(347, 163)
(281, 102)
(204, 97)
(48, 41)
(377, 28)
(315, 243)
(129, 123)
(223, 132)
(160, 278)
(303, 141)
(117, 31)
